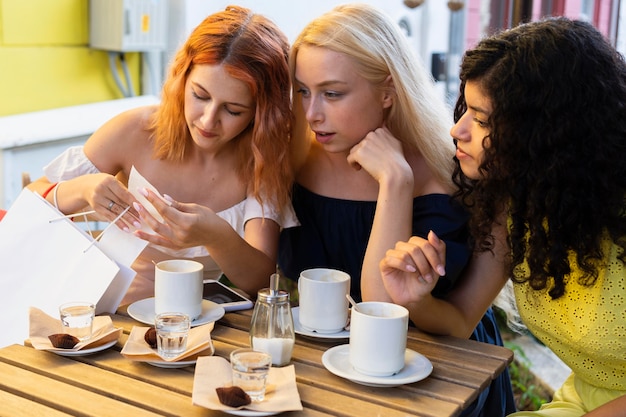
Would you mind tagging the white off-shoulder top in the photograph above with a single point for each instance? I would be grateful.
(73, 163)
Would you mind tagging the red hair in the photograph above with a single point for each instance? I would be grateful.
(253, 50)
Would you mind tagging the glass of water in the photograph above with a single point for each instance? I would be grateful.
(171, 330)
(250, 369)
(77, 319)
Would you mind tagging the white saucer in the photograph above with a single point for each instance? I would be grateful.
(84, 352)
(251, 413)
(176, 364)
(295, 312)
(143, 311)
(416, 368)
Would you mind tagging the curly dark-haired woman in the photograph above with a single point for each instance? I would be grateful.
(541, 138)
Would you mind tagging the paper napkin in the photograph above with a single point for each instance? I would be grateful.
(137, 182)
(198, 344)
(41, 325)
(214, 372)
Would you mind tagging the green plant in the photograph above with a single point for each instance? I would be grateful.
(529, 393)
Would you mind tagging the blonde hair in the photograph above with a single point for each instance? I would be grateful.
(418, 117)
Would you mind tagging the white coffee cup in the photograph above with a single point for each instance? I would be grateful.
(323, 303)
(378, 333)
(178, 287)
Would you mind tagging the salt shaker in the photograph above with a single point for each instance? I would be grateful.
(272, 329)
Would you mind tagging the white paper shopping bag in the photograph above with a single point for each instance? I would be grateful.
(46, 260)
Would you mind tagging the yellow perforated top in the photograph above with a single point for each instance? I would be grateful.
(586, 327)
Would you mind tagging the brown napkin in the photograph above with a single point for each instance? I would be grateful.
(214, 372)
(198, 344)
(42, 325)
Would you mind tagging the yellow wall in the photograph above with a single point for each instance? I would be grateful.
(45, 60)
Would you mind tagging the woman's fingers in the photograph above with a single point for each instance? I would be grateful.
(130, 220)
(110, 198)
(148, 218)
(432, 251)
(427, 258)
(397, 260)
(402, 281)
(165, 230)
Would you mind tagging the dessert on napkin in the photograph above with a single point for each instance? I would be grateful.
(41, 325)
(198, 344)
(215, 372)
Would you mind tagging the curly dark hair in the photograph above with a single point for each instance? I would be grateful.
(555, 164)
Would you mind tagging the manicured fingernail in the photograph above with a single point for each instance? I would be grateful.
(137, 224)
(137, 206)
(411, 268)
(168, 199)
(143, 191)
(441, 270)
(126, 229)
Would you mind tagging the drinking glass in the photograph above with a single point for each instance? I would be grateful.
(77, 319)
(172, 330)
(250, 369)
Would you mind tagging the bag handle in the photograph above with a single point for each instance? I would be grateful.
(119, 216)
(85, 213)
(71, 217)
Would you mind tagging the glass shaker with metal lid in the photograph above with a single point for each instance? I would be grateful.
(272, 329)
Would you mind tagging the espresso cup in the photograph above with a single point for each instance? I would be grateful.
(323, 303)
(178, 287)
(378, 333)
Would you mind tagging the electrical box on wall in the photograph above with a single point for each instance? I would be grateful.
(128, 25)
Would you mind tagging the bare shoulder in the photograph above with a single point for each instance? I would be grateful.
(122, 136)
(130, 121)
(313, 165)
(322, 167)
(425, 180)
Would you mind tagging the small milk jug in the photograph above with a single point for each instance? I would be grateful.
(272, 329)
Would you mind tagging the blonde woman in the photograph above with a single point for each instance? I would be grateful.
(379, 162)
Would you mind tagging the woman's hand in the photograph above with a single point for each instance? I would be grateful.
(108, 197)
(381, 155)
(411, 269)
(247, 261)
(183, 225)
(100, 192)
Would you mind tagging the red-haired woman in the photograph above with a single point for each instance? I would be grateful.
(217, 147)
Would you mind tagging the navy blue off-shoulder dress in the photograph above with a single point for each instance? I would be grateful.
(334, 233)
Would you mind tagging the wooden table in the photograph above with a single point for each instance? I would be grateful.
(39, 383)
